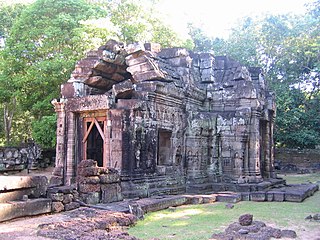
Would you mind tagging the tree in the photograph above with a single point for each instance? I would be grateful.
(46, 39)
(201, 41)
(138, 21)
(287, 48)
(40, 51)
(8, 15)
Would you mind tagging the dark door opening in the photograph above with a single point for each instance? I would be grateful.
(164, 147)
(94, 140)
(95, 145)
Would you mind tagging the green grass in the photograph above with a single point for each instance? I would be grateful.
(301, 178)
(196, 222)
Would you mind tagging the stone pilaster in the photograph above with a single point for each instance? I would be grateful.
(59, 107)
(70, 161)
(254, 147)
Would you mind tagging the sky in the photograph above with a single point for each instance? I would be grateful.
(218, 16)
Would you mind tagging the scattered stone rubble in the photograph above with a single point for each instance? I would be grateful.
(315, 217)
(89, 224)
(247, 229)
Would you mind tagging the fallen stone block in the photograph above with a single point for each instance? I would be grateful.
(258, 196)
(71, 206)
(30, 207)
(228, 197)
(15, 195)
(8, 183)
(278, 196)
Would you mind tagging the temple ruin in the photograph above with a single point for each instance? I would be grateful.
(165, 121)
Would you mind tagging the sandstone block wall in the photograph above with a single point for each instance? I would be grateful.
(63, 198)
(26, 157)
(98, 185)
(301, 158)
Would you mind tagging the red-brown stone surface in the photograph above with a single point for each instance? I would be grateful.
(90, 224)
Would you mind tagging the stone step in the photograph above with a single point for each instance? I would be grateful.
(288, 193)
(200, 199)
(229, 197)
(199, 188)
(15, 187)
(15, 195)
(30, 207)
(156, 204)
(17, 182)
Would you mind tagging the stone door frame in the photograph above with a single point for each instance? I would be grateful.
(94, 121)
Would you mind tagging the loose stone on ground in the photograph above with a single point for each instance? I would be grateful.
(248, 229)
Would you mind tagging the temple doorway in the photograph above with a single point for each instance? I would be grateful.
(94, 140)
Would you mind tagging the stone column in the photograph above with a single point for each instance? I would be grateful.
(272, 172)
(254, 147)
(58, 173)
(70, 161)
(267, 147)
(245, 147)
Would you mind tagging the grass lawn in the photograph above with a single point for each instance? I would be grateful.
(196, 222)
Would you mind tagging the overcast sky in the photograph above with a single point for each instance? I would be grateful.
(217, 16)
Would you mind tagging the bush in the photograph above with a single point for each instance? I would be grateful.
(44, 131)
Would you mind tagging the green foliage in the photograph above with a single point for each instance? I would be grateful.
(132, 21)
(8, 14)
(42, 47)
(202, 43)
(287, 48)
(138, 21)
(44, 131)
(46, 38)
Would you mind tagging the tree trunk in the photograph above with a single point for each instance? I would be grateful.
(8, 110)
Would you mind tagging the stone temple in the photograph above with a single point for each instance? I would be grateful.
(163, 121)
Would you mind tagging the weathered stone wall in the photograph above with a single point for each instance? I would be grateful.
(286, 159)
(19, 158)
(96, 184)
(168, 121)
(63, 198)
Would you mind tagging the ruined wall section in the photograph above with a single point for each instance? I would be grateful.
(176, 120)
(154, 141)
(244, 111)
